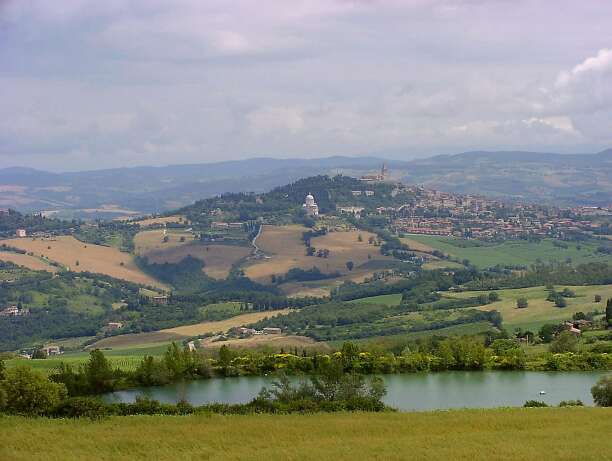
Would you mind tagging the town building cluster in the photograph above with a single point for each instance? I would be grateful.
(440, 213)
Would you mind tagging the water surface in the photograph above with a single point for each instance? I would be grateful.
(428, 391)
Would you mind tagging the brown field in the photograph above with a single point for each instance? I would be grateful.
(182, 332)
(31, 262)
(286, 250)
(224, 325)
(275, 341)
(135, 339)
(416, 246)
(152, 240)
(442, 264)
(67, 250)
(218, 259)
(161, 220)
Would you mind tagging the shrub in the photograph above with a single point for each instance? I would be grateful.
(82, 407)
(602, 392)
(522, 303)
(564, 342)
(571, 403)
(534, 404)
(30, 393)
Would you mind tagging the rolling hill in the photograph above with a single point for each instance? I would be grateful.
(528, 176)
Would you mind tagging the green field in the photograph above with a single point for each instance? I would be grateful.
(125, 358)
(471, 435)
(387, 300)
(540, 311)
(519, 252)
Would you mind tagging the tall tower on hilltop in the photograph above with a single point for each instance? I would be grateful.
(383, 172)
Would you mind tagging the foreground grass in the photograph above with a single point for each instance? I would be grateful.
(504, 434)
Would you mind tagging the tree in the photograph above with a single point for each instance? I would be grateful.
(609, 312)
(99, 373)
(39, 353)
(602, 392)
(29, 392)
(522, 303)
(359, 238)
(350, 352)
(560, 302)
(564, 342)
(597, 298)
(493, 296)
(547, 332)
(350, 265)
(567, 293)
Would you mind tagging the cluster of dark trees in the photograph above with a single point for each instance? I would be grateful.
(13, 220)
(103, 232)
(55, 318)
(303, 275)
(343, 321)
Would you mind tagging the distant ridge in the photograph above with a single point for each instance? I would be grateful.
(534, 176)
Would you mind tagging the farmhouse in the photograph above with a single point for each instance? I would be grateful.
(110, 326)
(21, 233)
(160, 299)
(355, 210)
(13, 311)
(271, 331)
(52, 350)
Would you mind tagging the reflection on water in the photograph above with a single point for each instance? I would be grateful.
(427, 391)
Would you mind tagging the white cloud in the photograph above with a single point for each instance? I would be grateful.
(275, 120)
(146, 81)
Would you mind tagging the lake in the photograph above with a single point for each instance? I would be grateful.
(427, 391)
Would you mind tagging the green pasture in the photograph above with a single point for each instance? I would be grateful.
(513, 252)
(539, 311)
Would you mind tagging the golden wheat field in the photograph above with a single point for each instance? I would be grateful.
(185, 331)
(218, 258)
(153, 240)
(224, 325)
(31, 262)
(85, 257)
(286, 251)
(276, 342)
(530, 434)
(415, 245)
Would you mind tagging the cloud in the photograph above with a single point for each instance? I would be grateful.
(159, 81)
(272, 120)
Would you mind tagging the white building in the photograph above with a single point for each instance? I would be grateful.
(310, 206)
(21, 233)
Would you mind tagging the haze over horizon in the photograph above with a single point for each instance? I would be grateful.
(88, 85)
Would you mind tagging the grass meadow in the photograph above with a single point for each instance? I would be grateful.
(539, 311)
(510, 252)
(459, 435)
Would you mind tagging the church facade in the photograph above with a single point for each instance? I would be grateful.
(310, 206)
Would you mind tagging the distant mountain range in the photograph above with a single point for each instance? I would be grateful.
(529, 176)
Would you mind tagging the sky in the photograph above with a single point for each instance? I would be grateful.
(88, 84)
